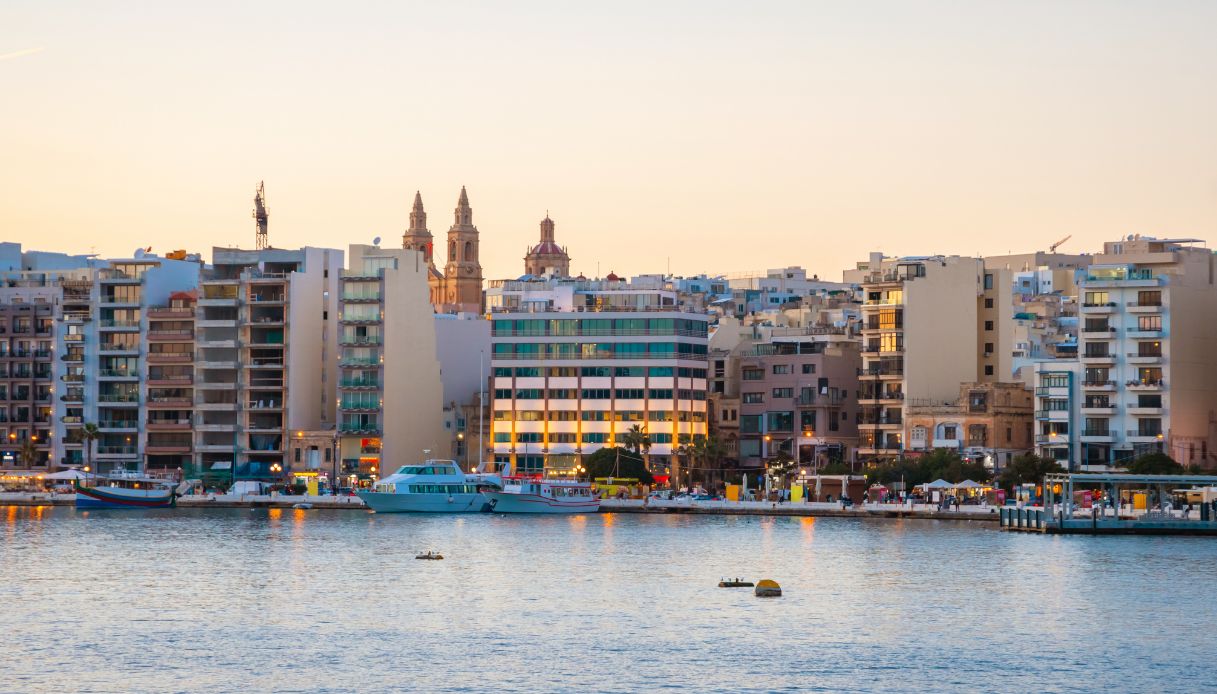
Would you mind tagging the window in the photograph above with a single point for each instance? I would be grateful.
(630, 393)
(753, 398)
(753, 374)
(988, 348)
(780, 421)
(1149, 323)
(988, 280)
(988, 325)
(597, 394)
(809, 368)
(988, 303)
(807, 420)
(1149, 298)
(988, 369)
(660, 394)
(783, 392)
(750, 424)
(1149, 349)
(1095, 299)
(779, 369)
(948, 432)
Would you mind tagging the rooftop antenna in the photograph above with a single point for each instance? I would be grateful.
(260, 217)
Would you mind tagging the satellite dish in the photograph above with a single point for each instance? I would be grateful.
(139, 253)
(376, 241)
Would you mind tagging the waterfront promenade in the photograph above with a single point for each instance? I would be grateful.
(656, 506)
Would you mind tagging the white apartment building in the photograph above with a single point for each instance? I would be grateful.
(578, 363)
(266, 357)
(390, 398)
(1145, 379)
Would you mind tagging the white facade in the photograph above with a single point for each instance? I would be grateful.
(577, 364)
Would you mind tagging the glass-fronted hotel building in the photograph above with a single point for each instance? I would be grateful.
(578, 363)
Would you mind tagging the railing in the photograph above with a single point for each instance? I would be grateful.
(359, 362)
(116, 347)
(598, 356)
(1096, 432)
(118, 424)
(1097, 384)
(359, 383)
(1146, 304)
(1138, 355)
(629, 332)
(116, 450)
(1146, 383)
(350, 340)
(1145, 433)
(1108, 304)
(112, 323)
(117, 373)
(118, 397)
(171, 333)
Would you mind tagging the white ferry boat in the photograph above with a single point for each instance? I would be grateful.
(532, 495)
(435, 486)
(125, 489)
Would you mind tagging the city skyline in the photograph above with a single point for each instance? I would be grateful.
(702, 136)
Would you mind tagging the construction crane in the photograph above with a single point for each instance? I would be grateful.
(260, 217)
(1051, 249)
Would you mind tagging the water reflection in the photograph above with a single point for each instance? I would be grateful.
(213, 599)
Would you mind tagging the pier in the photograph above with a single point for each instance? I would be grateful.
(1119, 504)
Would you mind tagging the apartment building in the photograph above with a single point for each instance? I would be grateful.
(169, 384)
(26, 377)
(929, 324)
(390, 398)
(987, 422)
(798, 396)
(266, 357)
(1146, 373)
(578, 363)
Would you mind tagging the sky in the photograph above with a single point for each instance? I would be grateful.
(707, 136)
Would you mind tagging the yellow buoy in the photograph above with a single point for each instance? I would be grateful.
(766, 588)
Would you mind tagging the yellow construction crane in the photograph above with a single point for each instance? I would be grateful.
(1053, 247)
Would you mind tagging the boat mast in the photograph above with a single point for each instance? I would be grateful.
(481, 402)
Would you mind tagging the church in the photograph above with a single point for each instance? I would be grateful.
(458, 289)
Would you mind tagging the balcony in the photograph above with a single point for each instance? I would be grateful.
(212, 343)
(1098, 359)
(1097, 436)
(1108, 334)
(1138, 410)
(114, 347)
(170, 335)
(73, 358)
(1139, 333)
(171, 313)
(1092, 309)
(1151, 307)
(168, 424)
(167, 449)
(355, 340)
(73, 378)
(170, 357)
(1099, 385)
(119, 398)
(72, 419)
(361, 429)
(359, 361)
(1052, 415)
(1144, 436)
(72, 397)
(1145, 385)
(265, 363)
(106, 451)
(170, 380)
(162, 401)
(1050, 440)
(1145, 359)
(119, 425)
(113, 324)
(115, 374)
(359, 383)
(1099, 411)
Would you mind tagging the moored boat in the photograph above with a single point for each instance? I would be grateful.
(434, 486)
(542, 495)
(123, 489)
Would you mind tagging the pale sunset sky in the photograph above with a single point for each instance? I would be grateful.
(724, 136)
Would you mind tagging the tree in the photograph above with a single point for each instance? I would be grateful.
(937, 464)
(636, 440)
(617, 462)
(1027, 469)
(28, 453)
(1155, 464)
(88, 434)
(780, 467)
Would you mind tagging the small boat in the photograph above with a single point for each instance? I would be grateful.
(125, 489)
(303, 506)
(544, 495)
(735, 583)
(429, 555)
(435, 486)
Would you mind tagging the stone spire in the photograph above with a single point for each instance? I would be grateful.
(547, 258)
(464, 213)
(418, 237)
(547, 230)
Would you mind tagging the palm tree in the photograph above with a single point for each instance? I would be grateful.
(28, 453)
(88, 434)
(637, 440)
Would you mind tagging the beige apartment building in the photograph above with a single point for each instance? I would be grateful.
(929, 323)
(987, 422)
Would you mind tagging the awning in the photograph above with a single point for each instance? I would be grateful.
(68, 475)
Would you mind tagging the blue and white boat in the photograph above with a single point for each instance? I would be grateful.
(435, 486)
(124, 489)
(544, 495)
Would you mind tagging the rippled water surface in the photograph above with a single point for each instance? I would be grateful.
(282, 600)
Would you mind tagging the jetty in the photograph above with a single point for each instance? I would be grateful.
(798, 509)
(1119, 504)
